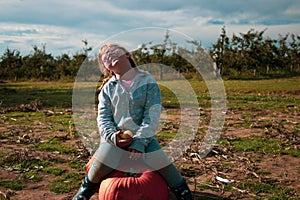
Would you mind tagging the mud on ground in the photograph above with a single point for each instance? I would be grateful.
(255, 174)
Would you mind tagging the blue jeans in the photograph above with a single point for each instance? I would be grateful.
(108, 156)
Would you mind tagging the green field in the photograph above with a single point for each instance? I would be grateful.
(59, 94)
(259, 146)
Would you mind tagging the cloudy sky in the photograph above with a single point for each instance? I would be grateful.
(62, 25)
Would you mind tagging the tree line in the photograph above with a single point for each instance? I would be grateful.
(249, 55)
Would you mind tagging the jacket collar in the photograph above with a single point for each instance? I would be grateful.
(114, 79)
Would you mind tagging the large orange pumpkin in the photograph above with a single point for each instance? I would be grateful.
(133, 186)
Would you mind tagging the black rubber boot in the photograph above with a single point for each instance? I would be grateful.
(182, 192)
(86, 190)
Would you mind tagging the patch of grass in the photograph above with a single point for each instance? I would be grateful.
(173, 112)
(11, 184)
(169, 99)
(257, 187)
(59, 94)
(246, 98)
(57, 171)
(263, 86)
(262, 172)
(24, 116)
(208, 185)
(224, 142)
(60, 122)
(165, 135)
(257, 144)
(55, 145)
(291, 152)
(226, 165)
(2, 154)
(30, 176)
(31, 164)
(4, 136)
(58, 160)
(243, 124)
(276, 94)
(258, 105)
(271, 190)
(51, 94)
(264, 145)
(66, 183)
(176, 92)
(76, 164)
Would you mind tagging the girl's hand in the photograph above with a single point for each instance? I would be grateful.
(135, 155)
(123, 142)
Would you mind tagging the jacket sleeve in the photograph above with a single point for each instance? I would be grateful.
(152, 111)
(105, 120)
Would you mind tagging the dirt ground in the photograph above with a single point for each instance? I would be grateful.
(224, 161)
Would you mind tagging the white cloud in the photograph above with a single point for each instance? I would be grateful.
(293, 11)
(57, 39)
(61, 25)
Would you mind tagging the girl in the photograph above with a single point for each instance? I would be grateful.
(130, 100)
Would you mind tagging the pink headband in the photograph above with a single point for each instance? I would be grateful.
(111, 55)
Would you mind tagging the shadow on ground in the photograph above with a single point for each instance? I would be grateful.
(202, 196)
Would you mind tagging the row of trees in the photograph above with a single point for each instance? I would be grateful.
(40, 65)
(251, 53)
(247, 54)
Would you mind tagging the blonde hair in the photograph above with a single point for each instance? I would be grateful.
(106, 72)
(103, 50)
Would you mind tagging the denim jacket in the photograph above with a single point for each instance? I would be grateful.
(137, 109)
